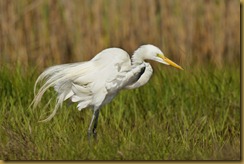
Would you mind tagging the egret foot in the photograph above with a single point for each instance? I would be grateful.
(92, 135)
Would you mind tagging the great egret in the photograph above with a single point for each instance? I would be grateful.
(96, 82)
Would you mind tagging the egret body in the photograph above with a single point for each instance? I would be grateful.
(96, 82)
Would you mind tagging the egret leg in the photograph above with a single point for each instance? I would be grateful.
(89, 129)
(94, 131)
(93, 122)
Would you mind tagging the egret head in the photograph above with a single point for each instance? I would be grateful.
(154, 53)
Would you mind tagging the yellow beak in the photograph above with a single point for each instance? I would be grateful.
(170, 62)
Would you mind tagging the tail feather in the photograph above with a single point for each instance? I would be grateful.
(60, 77)
(58, 104)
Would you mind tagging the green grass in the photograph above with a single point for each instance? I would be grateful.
(179, 115)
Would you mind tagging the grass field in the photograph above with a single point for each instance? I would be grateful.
(179, 115)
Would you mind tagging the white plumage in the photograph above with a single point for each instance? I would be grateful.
(96, 82)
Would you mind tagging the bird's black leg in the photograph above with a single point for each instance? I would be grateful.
(94, 121)
(94, 131)
(89, 129)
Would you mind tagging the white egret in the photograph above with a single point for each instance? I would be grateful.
(96, 82)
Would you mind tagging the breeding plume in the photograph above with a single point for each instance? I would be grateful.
(96, 82)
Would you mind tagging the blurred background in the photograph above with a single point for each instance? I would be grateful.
(41, 33)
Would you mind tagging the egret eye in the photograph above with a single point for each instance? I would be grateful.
(161, 56)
